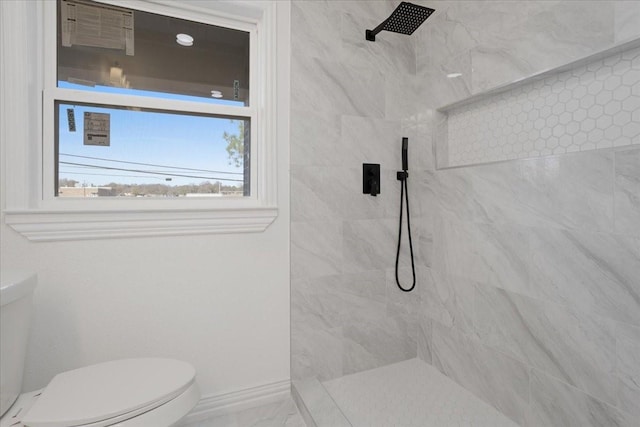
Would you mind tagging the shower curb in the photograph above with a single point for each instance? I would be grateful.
(316, 405)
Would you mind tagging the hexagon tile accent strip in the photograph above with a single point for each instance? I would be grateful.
(593, 106)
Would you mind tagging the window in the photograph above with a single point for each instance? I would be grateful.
(149, 153)
(132, 132)
(133, 147)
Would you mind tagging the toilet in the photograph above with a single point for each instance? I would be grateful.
(125, 393)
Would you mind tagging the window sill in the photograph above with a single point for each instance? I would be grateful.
(47, 226)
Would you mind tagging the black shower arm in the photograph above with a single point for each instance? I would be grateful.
(371, 34)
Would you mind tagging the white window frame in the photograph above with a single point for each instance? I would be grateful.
(34, 211)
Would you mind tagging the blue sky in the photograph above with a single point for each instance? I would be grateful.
(164, 139)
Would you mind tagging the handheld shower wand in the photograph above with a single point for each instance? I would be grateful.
(403, 176)
(405, 155)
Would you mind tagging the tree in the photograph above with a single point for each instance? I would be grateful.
(235, 145)
(64, 182)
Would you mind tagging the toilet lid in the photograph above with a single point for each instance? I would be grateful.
(107, 390)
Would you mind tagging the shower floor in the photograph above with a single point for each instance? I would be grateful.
(410, 393)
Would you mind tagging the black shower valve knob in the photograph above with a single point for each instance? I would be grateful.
(371, 179)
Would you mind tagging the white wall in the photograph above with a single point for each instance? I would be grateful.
(220, 302)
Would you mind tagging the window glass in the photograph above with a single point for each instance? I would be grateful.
(110, 49)
(107, 150)
(111, 151)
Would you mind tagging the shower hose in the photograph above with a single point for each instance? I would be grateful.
(404, 197)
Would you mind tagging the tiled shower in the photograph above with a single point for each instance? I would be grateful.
(525, 201)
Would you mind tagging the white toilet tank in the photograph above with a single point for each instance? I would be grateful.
(16, 291)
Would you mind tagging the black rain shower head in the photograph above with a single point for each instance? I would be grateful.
(404, 20)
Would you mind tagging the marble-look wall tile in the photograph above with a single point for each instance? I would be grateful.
(326, 192)
(353, 204)
(314, 309)
(456, 251)
(322, 85)
(378, 342)
(446, 34)
(485, 253)
(440, 147)
(422, 202)
(537, 230)
(371, 245)
(486, 20)
(318, 306)
(575, 347)
(628, 332)
(370, 140)
(564, 32)
(473, 194)
(316, 137)
(308, 306)
(316, 248)
(628, 366)
(456, 73)
(627, 192)
(422, 152)
(507, 43)
(497, 65)
(495, 378)
(403, 92)
(556, 404)
(369, 284)
(320, 192)
(424, 339)
(458, 26)
(392, 53)
(439, 90)
(343, 241)
(455, 196)
(629, 399)
(425, 254)
(627, 16)
(318, 353)
(369, 13)
(591, 271)
(418, 230)
(627, 419)
(316, 26)
(571, 191)
(501, 253)
(400, 303)
(352, 102)
(447, 300)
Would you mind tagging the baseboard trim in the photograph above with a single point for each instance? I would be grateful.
(212, 406)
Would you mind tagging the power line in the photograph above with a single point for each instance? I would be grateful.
(150, 172)
(150, 164)
(86, 166)
(107, 174)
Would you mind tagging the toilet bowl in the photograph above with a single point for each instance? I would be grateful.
(128, 393)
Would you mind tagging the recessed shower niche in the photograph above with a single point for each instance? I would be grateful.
(589, 104)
